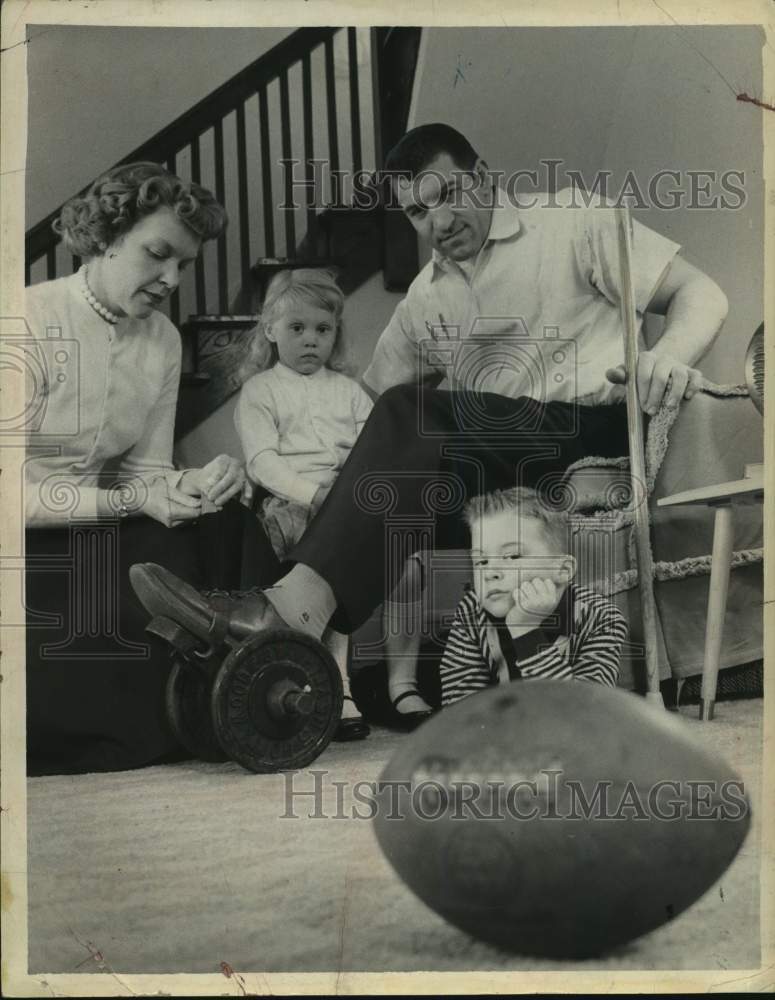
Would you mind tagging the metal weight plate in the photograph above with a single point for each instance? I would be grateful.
(189, 712)
(754, 369)
(277, 701)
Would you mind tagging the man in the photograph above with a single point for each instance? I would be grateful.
(519, 310)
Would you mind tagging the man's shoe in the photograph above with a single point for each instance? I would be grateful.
(213, 620)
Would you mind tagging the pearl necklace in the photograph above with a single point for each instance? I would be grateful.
(96, 305)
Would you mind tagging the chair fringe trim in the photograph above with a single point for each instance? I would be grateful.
(681, 569)
(657, 440)
(713, 389)
(613, 508)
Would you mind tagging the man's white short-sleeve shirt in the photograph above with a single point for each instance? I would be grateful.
(536, 314)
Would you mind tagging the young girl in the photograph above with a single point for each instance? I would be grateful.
(299, 416)
(298, 419)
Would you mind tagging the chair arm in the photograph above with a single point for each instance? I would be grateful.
(711, 441)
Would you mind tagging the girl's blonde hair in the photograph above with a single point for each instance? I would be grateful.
(305, 285)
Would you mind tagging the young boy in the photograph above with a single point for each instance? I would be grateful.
(525, 617)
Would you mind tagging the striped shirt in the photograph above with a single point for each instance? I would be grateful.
(586, 647)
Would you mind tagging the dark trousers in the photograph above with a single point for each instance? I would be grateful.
(95, 678)
(422, 454)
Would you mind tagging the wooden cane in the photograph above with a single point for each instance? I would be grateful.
(637, 459)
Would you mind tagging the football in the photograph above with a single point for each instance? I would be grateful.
(559, 819)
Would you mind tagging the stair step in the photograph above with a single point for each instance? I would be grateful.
(194, 379)
(225, 322)
(214, 349)
(264, 265)
(349, 240)
(264, 269)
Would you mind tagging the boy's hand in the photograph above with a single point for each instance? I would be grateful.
(533, 600)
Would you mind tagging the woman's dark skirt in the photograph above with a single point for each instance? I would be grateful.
(95, 678)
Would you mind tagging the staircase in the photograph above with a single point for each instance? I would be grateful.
(279, 144)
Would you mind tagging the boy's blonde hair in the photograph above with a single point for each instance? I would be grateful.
(305, 285)
(526, 503)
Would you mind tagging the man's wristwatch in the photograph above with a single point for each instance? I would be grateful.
(121, 500)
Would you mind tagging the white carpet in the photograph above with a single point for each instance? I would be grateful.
(183, 867)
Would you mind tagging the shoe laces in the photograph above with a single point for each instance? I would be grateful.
(218, 592)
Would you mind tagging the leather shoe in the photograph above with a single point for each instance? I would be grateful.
(409, 721)
(213, 620)
(351, 729)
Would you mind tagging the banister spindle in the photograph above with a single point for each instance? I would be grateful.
(266, 173)
(355, 105)
(285, 131)
(220, 194)
(333, 137)
(242, 189)
(199, 267)
(309, 149)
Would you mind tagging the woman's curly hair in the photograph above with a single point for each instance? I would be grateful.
(115, 202)
(304, 285)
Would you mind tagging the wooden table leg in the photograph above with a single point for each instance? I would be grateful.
(717, 605)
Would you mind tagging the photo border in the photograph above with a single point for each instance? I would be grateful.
(16, 15)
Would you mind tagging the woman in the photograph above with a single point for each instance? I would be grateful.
(100, 484)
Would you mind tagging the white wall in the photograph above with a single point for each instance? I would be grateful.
(639, 99)
(701, 127)
(97, 93)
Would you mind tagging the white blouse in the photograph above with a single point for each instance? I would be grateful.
(297, 430)
(102, 402)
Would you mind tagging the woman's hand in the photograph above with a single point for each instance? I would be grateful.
(169, 506)
(218, 481)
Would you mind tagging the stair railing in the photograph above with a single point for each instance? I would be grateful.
(250, 97)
